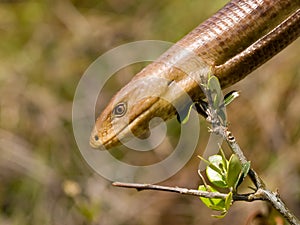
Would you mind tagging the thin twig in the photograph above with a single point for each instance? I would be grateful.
(185, 191)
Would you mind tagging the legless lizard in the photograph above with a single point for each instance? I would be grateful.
(240, 37)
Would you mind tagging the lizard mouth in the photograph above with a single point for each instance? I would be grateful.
(94, 140)
(124, 132)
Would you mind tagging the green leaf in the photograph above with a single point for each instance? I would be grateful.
(234, 171)
(245, 168)
(217, 98)
(216, 171)
(229, 97)
(227, 204)
(222, 115)
(228, 201)
(220, 216)
(221, 205)
(184, 115)
(217, 204)
(215, 89)
(206, 161)
(243, 174)
(216, 162)
(216, 178)
(225, 161)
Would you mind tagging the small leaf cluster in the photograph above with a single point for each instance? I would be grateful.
(216, 100)
(223, 173)
(215, 104)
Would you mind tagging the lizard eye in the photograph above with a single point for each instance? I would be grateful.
(119, 110)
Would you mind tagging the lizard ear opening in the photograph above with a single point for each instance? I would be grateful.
(119, 110)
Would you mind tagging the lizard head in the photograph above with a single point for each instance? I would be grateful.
(130, 111)
(159, 90)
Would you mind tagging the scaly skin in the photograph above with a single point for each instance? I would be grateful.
(240, 37)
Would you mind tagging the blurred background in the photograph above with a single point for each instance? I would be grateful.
(45, 47)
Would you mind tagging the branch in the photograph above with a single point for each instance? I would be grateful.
(262, 192)
(214, 115)
(179, 190)
(185, 191)
(278, 204)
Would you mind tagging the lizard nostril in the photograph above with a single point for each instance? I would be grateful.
(96, 137)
